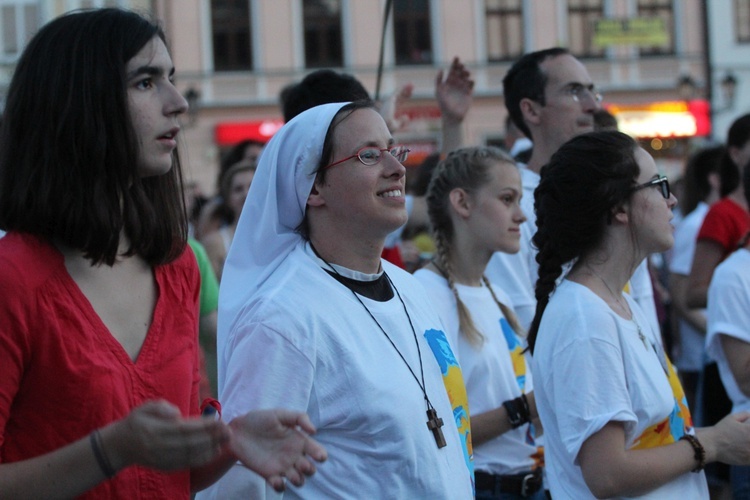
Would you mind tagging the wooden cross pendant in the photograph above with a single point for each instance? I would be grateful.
(434, 423)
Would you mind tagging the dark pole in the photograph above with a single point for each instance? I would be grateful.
(387, 12)
(708, 65)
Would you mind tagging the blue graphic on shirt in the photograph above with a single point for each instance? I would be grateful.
(454, 386)
(516, 353)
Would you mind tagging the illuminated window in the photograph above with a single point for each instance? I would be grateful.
(323, 46)
(504, 29)
(582, 14)
(661, 9)
(230, 24)
(412, 33)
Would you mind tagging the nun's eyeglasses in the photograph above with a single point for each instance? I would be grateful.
(371, 155)
(661, 182)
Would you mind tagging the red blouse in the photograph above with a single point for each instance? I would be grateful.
(726, 223)
(63, 374)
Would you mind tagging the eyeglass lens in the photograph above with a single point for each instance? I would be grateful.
(664, 185)
(372, 156)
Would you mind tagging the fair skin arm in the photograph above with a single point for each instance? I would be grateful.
(678, 284)
(737, 353)
(454, 93)
(271, 443)
(493, 423)
(708, 255)
(611, 470)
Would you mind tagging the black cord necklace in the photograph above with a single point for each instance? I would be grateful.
(434, 423)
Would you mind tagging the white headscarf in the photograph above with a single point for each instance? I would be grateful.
(274, 207)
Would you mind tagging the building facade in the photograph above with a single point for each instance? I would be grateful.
(233, 58)
(729, 55)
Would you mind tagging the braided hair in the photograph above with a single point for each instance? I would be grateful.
(468, 169)
(581, 186)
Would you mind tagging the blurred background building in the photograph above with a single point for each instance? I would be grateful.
(675, 73)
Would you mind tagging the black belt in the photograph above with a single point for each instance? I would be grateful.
(517, 484)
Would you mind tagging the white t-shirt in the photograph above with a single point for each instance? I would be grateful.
(692, 356)
(517, 273)
(729, 314)
(308, 345)
(591, 367)
(488, 370)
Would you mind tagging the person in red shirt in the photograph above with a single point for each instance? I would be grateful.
(727, 222)
(98, 291)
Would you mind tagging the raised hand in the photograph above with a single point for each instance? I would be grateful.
(454, 92)
(276, 445)
(390, 108)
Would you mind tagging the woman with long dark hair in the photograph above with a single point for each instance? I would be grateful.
(98, 291)
(615, 417)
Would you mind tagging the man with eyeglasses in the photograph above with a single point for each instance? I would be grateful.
(551, 98)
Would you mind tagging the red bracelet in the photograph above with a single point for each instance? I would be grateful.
(210, 406)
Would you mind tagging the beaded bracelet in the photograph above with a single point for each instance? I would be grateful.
(699, 451)
(101, 458)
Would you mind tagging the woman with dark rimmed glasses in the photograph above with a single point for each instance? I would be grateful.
(615, 417)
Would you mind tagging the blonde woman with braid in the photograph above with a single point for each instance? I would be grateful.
(616, 421)
(474, 206)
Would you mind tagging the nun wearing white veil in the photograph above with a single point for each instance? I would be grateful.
(311, 319)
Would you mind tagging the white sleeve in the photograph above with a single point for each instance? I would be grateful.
(589, 388)
(264, 370)
(728, 307)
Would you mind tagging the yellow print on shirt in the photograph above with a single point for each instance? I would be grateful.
(454, 385)
(676, 425)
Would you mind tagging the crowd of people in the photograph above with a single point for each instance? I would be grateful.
(491, 329)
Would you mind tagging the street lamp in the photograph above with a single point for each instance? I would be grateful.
(192, 96)
(728, 90)
(686, 87)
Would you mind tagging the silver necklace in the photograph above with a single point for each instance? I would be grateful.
(660, 354)
(625, 308)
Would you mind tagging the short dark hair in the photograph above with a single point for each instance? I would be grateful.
(699, 167)
(235, 154)
(584, 181)
(326, 156)
(322, 86)
(69, 154)
(526, 80)
(604, 120)
(737, 136)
